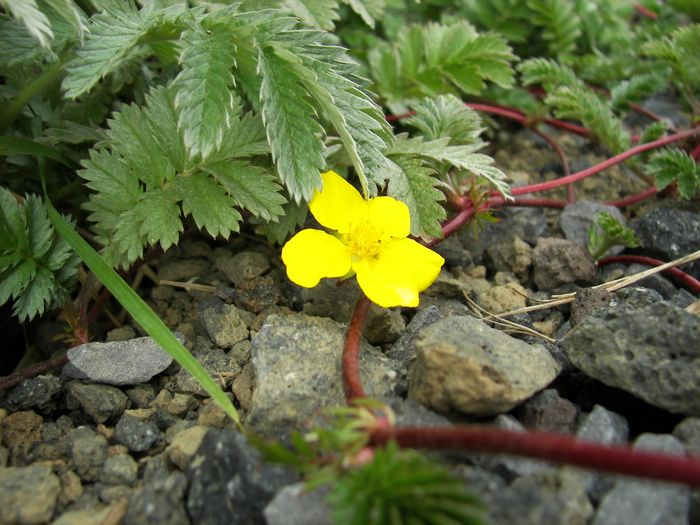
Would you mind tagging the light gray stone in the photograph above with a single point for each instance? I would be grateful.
(119, 470)
(463, 364)
(560, 263)
(646, 502)
(28, 495)
(293, 505)
(652, 352)
(88, 452)
(119, 362)
(577, 218)
(296, 361)
(225, 324)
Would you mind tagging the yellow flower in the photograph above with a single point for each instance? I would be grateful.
(370, 240)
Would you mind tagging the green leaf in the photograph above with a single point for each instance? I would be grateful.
(211, 208)
(21, 146)
(251, 187)
(205, 97)
(605, 232)
(142, 313)
(674, 165)
(369, 10)
(413, 184)
(17, 45)
(635, 89)
(560, 24)
(315, 13)
(71, 13)
(27, 12)
(245, 137)
(114, 32)
(37, 269)
(159, 216)
(447, 116)
(292, 131)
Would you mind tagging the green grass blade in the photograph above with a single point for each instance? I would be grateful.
(19, 146)
(140, 311)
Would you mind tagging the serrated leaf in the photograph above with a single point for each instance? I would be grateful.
(292, 131)
(161, 115)
(315, 13)
(133, 137)
(674, 165)
(561, 26)
(36, 297)
(447, 116)
(28, 12)
(369, 10)
(14, 280)
(159, 216)
(251, 187)
(211, 208)
(635, 89)
(17, 45)
(39, 230)
(205, 97)
(245, 137)
(413, 184)
(114, 33)
(71, 13)
(13, 235)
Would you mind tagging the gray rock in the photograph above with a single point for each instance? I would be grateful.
(688, 432)
(140, 396)
(465, 365)
(548, 411)
(635, 297)
(507, 466)
(293, 505)
(213, 359)
(243, 266)
(37, 392)
(136, 435)
(225, 324)
(296, 360)
(510, 255)
(657, 281)
(403, 351)
(119, 362)
(551, 497)
(101, 402)
(159, 502)
(119, 470)
(652, 352)
(588, 301)
(560, 263)
(650, 503)
(88, 452)
(669, 233)
(608, 428)
(453, 252)
(529, 224)
(28, 495)
(260, 292)
(183, 269)
(229, 482)
(576, 219)
(20, 432)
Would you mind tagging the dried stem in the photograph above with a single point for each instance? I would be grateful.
(688, 281)
(32, 371)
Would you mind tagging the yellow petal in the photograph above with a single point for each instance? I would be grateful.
(312, 254)
(421, 263)
(389, 217)
(403, 269)
(385, 286)
(338, 204)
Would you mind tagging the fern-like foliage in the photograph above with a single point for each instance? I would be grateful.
(558, 23)
(675, 166)
(402, 487)
(323, 14)
(148, 180)
(37, 268)
(34, 20)
(680, 51)
(605, 232)
(569, 97)
(445, 151)
(437, 59)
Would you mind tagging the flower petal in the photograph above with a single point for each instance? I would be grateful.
(312, 254)
(421, 263)
(390, 217)
(338, 204)
(402, 270)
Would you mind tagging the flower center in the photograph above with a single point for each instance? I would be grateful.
(363, 241)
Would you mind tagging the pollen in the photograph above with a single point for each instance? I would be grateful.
(363, 241)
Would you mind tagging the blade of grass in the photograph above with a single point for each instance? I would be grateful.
(19, 146)
(140, 311)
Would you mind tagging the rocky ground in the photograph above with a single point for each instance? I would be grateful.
(122, 435)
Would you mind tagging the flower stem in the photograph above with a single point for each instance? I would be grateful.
(352, 385)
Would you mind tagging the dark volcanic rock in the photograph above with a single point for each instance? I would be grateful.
(229, 483)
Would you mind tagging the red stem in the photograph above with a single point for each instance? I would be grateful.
(633, 199)
(645, 11)
(617, 159)
(551, 447)
(352, 385)
(688, 281)
(570, 197)
(695, 153)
